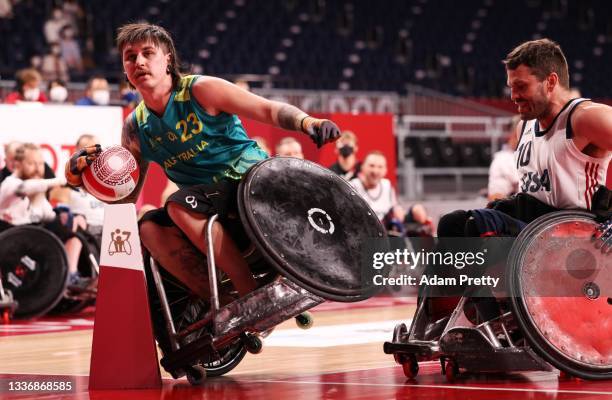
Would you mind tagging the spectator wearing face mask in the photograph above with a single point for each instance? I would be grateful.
(28, 87)
(129, 97)
(53, 65)
(58, 93)
(346, 164)
(97, 93)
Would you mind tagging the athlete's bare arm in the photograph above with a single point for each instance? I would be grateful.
(592, 127)
(129, 140)
(216, 95)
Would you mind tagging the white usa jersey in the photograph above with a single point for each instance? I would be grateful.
(552, 169)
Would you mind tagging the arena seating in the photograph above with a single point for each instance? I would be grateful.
(358, 44)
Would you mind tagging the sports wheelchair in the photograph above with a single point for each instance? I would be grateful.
(557, 312)
(307, 226)
(34, 273)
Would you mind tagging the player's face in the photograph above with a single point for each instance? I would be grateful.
(32, 166)
(374, 168)
(145, 64)
(527, 92)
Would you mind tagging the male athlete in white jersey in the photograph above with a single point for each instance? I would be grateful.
(565, 147)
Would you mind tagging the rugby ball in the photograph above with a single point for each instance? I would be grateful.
(113, 175)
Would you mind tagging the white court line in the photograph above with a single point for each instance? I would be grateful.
(491, 389)
(334, 335)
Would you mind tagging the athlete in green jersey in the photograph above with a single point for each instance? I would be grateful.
(189, 125)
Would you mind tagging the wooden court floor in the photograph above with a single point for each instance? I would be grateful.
(341, 357)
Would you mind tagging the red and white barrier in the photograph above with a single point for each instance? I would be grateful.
(123, 354)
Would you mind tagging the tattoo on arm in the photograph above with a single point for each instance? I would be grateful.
(129, 140)
(129, 134)
(290, 117)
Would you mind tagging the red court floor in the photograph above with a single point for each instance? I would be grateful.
(341, 357)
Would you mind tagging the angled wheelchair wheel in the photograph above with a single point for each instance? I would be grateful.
(34, 268)
(311, 226)
(561, 293)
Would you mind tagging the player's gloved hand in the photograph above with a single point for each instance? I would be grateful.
(78, 162)
(603, 236)
(321, 131)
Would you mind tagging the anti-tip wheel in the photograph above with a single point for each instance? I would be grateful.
(196, 374)
(304, 320)
(253, 343)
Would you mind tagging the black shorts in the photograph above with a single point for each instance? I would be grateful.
(207, 199)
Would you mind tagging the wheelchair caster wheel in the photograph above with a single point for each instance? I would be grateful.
(410, 367)
(451, 371)
(252, 343)
(196, 374)
(304, 320)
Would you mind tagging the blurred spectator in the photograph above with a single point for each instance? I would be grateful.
(74, 15)
(54, 25)
(97, 93)
(289, 147)
(129, 97)
(23, 201)
(261, 142)
(28, 87)
(53, 65)
(503, 174)
(377, 191)
(9, 159)
(58, 93)
(70, 49)
(346, 151)
(36, 62)
(6, 9)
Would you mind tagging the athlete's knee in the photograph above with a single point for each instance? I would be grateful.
(453, 224)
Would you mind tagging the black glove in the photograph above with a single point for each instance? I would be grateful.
(77, 163)
(321, 131)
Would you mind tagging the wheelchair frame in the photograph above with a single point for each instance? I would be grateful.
(244, 318)
(487, 346)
